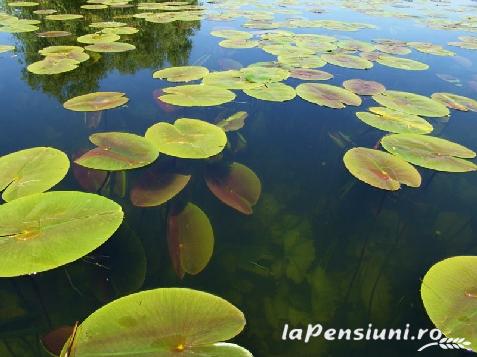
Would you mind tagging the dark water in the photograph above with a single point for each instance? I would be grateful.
(321, 247)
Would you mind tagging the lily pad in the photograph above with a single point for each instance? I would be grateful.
(65, 52)
(52, 65)
(393, 49)
(455, 101)
(46, 230)
(395, 122)
(98, 38)
(347, 61)
(362, 87)
(327, 95)
(355, 45)
(430, 48)
(411, 103)
(237, 186)
(63, 17)
(310, 74)
(274, 92)
(188, 138)
(30, 171)
(45, 12)
(301, 61)
(53, 34)
(380, 169)
(264, 74)
(179, 321)
(191, 239)
(238, 43)
(430, 152)
(233, 122)
(105, 24)
(155, 188)
(182, 74)
(232, 34)
(232, 79)
(448, 293)
(196, 95)
(126, 30)
(93, 102)
(6, 48)
(111, 47)
(118, 151)
(23, 4)
(401, 63)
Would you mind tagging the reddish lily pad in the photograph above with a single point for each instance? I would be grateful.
(93, 102)
(362, 87)
(455, 101)
(307, 74)
(327, 95)
(347, 61)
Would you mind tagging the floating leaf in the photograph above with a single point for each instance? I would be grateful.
(380, 169)
(52, 65)
(98, 38)
(455, 101)
(6, 48)
(238, 43)
(393, 49)
(118, 151)
(65, 52)
(94, 7)
(363, 87)
(430, 152)
(310, 74)
(93, 102)
(181, 74)
(448, 293)
(188, 138)
(179, 321)
(411, 103)
(274, 92)
(196, 95)
(126, 30)
(232, 79)
(64, 17)
(264, 74)
(430, 48)
(287, 49)
(401, 63)
(30, 171)
(393, 121)
(89, 179)
(355, 45)
(233, 122)
(72, 225)
(155, 188)
(327, 95)
(53, 34)
(23, 4)
(45, 12)
(111, 47)
(301, 61)
(232, 34)
(105, 24)
(347, 61)
(237, 186)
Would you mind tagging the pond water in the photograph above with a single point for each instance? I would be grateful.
(321, 246)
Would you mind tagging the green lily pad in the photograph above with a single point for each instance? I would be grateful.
(6, 48)
(63, 17)
(126, 30)
(18, 28)
(232, 34)
(196, 95)
(301, 61)
(93, 102)
(182, 74)
(264, 74)
(393, 49)
(94, 7)
(355, 45)
(327, 95)
(179, 321)
(287, 49)
(238, 43)
(430, 48)
(105, 24)
(237, 186)
(30, 171)
(72, 225)
(233, 122)
(98, 38)
(53, 34)
(448, 293)
(155, 188)
(118, 151)
(362, 87)
(52, 65)
(45, 12)
(395, 122)
(455, 101)
(191, 240)
(411, 103)
(65, 52)
(380, 169)
(111, 47)
(307, 74)
(22, 4)
(347, 61)
(188, 138)
(402, 63)
(232, 79)
(274, 92)
(430, 152)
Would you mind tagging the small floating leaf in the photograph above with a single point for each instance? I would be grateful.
(301, 61)
(455, 101)
(393, 121)
(430, 152)
(233, 122)
(53, 34)
(274, 92)
(347, 61)
(238, 43)
(52, 65)
(6, 48)
(401, 63)
(327, 95)
(93, 102)
(237, 186)
(232, 34)
(23, 4)
(380, 169)
(191, 240)
(111, 47)
(310, 74)
(126, 30)
(30, 171)
(63, 17)
(181, 74)
(72, 225)
(362, 87)
(98, 38)
(106, 24)
(188, 138)
(264, 74)
(196, 95)
(118, 151)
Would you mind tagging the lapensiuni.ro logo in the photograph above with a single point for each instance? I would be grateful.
(429, 337)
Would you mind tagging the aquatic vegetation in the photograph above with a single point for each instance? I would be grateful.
(394, 121)
(302, 61)
(53, 34)
(63, 17)
(448, 291)
(181, 74)
(93, 102)
(98, 38)
(411, 103)
(327, 95)
(187, 138)
(347, 61)
(257, 74)
(430, 48)
(232, 34)
(238, 43)
(362, 87)
(22, 4)
(69, 230)
(401, 63)
(234, 122)
(430, 152)
(310, 74)
(30, 171)
(6, 48)
(65, 52)
(125, 30)
(455, 101)
(118, 151)
(110, 47)
(380, 169)
(52, 65)
(196, 95)
(274, 92)
(180, 321)
(105, 24)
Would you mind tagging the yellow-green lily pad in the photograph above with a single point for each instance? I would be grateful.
(308, 74)
(93, 102)
(63, 17)
(6, 48)
(401, 63)
(274, 92)
(327, 95)
(52, 65)
(181, 74)
(196, 95)
(264, 74)
(232, 34)
(394, 121)
(347, 61)
(362, 87)
(111, 47)
(238, 43)
(455, 101)
(98, 38)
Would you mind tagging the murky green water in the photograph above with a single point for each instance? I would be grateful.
(320, 246)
